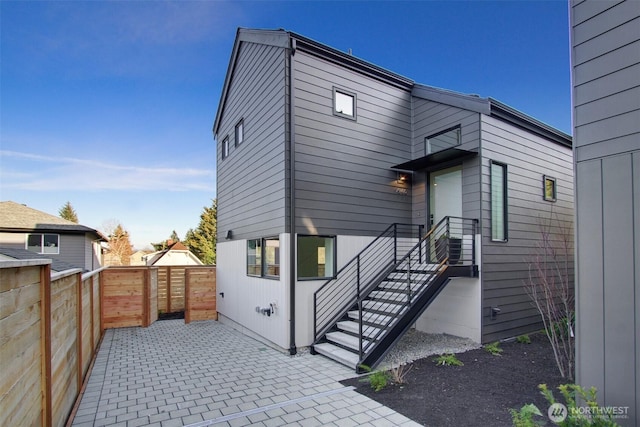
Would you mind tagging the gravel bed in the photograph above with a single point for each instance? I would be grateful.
(416, 345)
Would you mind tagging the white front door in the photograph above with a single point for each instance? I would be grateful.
(445, 194)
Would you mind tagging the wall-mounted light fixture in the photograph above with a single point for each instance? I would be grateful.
(229, 235)
(403, 178)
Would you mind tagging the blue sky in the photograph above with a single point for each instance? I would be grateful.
(110, 105)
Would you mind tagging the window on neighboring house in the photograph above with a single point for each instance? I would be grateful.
(225, 147)
(239, 132)
(549, 185)
(254, 257)
(316, 257)
(344, 104)
(442, 140)
(43, 243)
(498, 202)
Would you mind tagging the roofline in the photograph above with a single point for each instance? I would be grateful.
(504, 112)
(85, 230)
(449, 97)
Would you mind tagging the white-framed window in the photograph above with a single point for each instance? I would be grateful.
(549, 188)
(316, 257)
(499, 211)
(41, 243)
(344, 103)
(442, 140)
(240, 132)
(225, 147)
(254, 257)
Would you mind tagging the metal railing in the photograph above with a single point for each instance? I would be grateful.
(355, 278)
(448, 245)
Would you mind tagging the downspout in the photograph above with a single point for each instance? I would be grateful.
(292, 208)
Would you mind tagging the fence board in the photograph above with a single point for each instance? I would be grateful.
(200, 292)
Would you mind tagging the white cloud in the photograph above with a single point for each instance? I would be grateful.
(26, 171)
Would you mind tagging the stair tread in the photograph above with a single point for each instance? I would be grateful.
(346, 340)
(382, 306)
(354, 328)
(378, 319)
(338, 354)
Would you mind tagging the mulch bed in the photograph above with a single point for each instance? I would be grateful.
(480, 393)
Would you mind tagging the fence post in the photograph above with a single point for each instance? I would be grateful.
(45, 341)
(187, 299)
(79, 329)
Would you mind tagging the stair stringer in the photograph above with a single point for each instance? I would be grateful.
(394, 333)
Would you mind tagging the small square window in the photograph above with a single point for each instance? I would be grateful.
(239, 132)
(344, 104)
(225, 147)
(316, 257)
(550, 192)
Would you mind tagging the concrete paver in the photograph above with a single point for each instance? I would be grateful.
(206, 373)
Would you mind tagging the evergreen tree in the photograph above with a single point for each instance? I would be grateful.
(202, 240)
(67, 212)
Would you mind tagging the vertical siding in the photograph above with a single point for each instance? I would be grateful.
(251, 180)
(605, 40)
(504, 264)
(430, 118)
(344, 184)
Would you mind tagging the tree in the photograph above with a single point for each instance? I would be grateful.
(120, 247)
(161, 246)
(67, 212)
(202, 240)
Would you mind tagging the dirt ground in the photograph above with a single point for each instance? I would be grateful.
(480, 393)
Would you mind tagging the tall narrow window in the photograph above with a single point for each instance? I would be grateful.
(239, 132)
(549, 189)
(272, 257)
(344, 104)
(498, 201)
(225, 147)
(254, 257)
(316, 257)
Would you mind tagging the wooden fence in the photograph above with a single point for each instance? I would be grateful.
(51, 326)
(49, 332)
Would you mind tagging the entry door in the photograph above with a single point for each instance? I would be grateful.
(445, 194)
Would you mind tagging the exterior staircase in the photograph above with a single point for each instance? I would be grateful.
(377, 296)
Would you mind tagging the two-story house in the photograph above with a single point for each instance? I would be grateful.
(330, 173)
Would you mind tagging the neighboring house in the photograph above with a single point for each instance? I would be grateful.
(11, 254)
(22, 227)
(605, 39)
(175, 254)
(320, 152)
(138, 257)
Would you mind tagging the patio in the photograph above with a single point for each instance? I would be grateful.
(205, 373)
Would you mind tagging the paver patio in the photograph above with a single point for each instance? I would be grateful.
(206, 373)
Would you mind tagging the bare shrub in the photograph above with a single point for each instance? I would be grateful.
(399, 372)
(550, 287)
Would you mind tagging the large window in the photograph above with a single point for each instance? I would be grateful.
(442, 140)
(344, 104)
(498, 202)
(254, 257)
(263, 257)
(316, 257)
(43, 243)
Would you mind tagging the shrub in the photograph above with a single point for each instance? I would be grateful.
(448, 360)
(576, 417)
(523, 339)
(399, 371)
(524, 417)
(494, 348)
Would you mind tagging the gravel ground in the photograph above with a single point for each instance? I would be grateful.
(416, 345)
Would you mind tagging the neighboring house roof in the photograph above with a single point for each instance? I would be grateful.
(153, 258)
(291, 40)
(56, 265)
(15, 217)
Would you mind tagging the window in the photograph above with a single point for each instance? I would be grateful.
(549, 188)
(239, 132)
(225, 147)
(344, 104)
(43, 243)
(316, 257)
(442, 140)
(272, 257)
(498, 202)
(254, 257)
(263, 257)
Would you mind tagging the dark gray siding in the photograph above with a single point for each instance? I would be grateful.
(505, 264)
(606, 97)
(251, 180)
(343, 181)
(430, 118)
